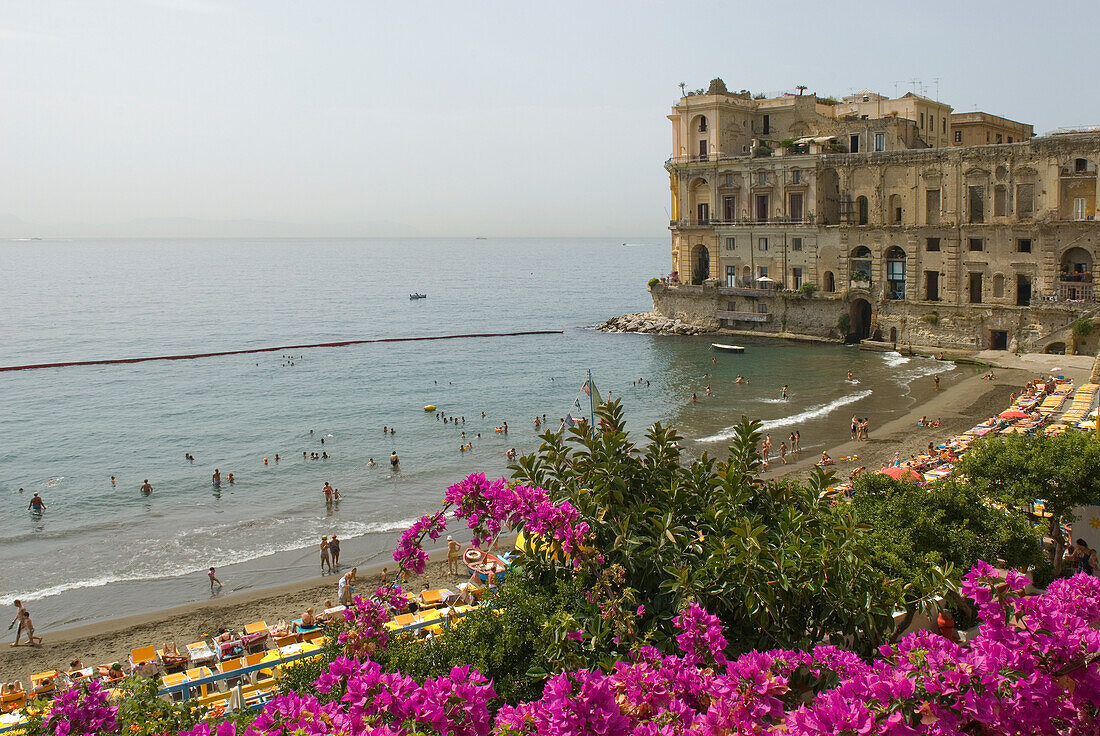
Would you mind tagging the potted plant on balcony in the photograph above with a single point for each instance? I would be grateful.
(861, 280)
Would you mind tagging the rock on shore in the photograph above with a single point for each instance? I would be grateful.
(653, 323)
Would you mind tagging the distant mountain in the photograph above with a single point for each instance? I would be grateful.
(12, 226)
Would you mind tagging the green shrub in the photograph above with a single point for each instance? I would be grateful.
(654, 281)
(932, 318)
(808, 289)
(1082, 327)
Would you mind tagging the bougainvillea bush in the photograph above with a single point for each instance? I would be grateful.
(1031, 670)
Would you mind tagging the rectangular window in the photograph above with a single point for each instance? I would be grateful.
(975, 288)
(796, 176)
(880, 141)
(958, 136)
(853, 144)
(796, 273)
(1025, 200)
(761, 178)
(1010, 139)
(729, 180)
(1000, 201)
(922, 120)
(1023, 245)
(795, 207)
(932, 244)
(977, 204)
(729, 208)
(945, 126)
(796, 243)
(1080, 208)
(932, 206)
(767, 123)
(1000, 138)
(976, 244)
(932, 285)
(703, 212)
(730, 243)
(761, 208)
(731, 279)
(763, 270)
(762, 244)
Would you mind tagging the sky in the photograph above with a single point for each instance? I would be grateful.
(437, 119)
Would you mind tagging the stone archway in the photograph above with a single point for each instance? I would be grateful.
(700, 264)
(859, 313)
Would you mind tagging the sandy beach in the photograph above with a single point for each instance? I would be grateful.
(111, 641)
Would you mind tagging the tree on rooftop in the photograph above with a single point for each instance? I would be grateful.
(717, 87)
(1015, 469)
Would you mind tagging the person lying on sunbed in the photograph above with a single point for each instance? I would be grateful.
(112, 672)
(171, 655)
(280, 629)
(309, 621)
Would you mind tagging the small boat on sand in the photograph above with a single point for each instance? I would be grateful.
(727, 348)
(484, 564)
(418, 295)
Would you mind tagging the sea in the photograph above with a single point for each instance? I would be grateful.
(87, 437)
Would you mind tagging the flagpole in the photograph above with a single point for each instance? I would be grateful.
(591, 401)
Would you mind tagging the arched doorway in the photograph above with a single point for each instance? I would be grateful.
(746, 277)
(700, 264)
(830, 282)
(860, 315)
(1075, 275)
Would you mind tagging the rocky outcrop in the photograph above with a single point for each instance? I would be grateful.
(652, 323)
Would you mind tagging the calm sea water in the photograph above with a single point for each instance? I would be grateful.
(103, 549)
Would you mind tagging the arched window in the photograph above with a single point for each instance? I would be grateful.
(830, 282)
(895, 209)
(861, 206)
(895, 273)
(859, 268)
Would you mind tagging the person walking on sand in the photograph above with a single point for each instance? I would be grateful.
(796, 446)
(23, 618)
(213, 580)
(855, 426)
(453, 548)
(783, 452)
(783, 392)
(324, 556)
(334, 545)
(936, 380)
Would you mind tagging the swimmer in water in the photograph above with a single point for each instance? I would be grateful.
(217, 477)
(783, 392)
(371, 463)
(36, 505)
(849, 375)
(739, 379)
(146, 488)
(394, 460)
(112, 483)
(230, 479)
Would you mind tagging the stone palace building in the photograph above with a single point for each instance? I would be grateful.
(890, 219)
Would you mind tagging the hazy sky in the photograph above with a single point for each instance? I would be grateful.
(460, 118)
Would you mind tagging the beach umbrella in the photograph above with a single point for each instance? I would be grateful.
(900, 473)
(766, 279)
(1013, 414)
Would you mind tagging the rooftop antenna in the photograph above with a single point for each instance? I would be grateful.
(937, 81)
(896, 89)
(914, 82)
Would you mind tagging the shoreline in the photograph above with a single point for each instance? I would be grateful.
(111, 640)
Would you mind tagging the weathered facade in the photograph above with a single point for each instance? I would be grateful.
(794, 216)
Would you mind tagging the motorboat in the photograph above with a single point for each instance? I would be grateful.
(727, 348)
(418, 295)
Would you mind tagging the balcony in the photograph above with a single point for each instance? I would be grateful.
(1075, 277)
(689, 222)
(749, 291)
(743, 316)
(703, 158)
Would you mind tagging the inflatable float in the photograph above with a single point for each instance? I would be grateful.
(429, 407)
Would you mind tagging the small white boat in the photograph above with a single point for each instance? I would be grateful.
(418, 295)
(727, 348)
